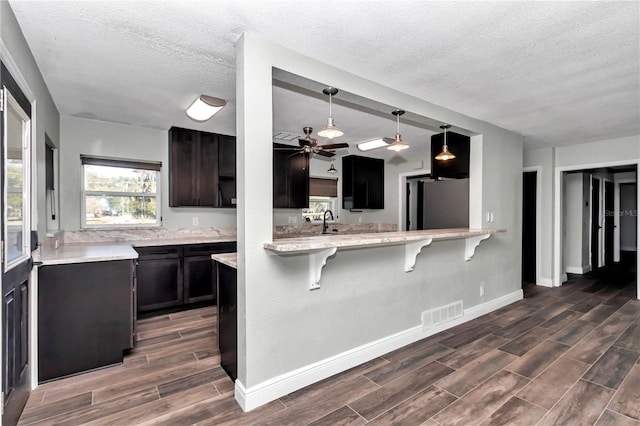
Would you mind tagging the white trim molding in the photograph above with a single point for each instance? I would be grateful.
(580, 270)
(272, 389)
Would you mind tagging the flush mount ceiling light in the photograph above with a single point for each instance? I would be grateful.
(374, 143)
(331, 131)
(398, 144)
(204, 107)
(445, 154)
(332, 168)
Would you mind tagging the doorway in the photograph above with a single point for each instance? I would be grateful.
(16, 259)
(529, 229)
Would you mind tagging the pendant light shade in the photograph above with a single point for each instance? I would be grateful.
(330, 131)
(398, 144)
(445, 154)
(332, 169)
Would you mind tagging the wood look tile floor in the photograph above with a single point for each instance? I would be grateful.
(563, 356)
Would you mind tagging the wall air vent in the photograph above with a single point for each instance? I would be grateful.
(284, 136)
(442, 314)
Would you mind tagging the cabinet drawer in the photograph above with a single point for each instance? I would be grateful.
(159, 252)
(209, 248)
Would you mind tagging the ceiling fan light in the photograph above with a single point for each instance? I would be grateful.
(205, 107)
(398, 144)
(331, 131)
(445, 154)
(374, 143)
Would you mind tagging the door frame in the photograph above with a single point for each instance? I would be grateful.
(538, 171)
(21, 81)
(558, 211)
(598, 248)
(402, 194)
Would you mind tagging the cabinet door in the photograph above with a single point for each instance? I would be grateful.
(298, 180)
(374, 171)
(227, 319)
(227, 170)
(84, 316)
(159, 283)
(280, 160)
(199, 279)
(207, 192)
(182, 167)
(362, 182)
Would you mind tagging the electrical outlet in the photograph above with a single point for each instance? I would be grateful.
(359, 219)
(482, 289)
(194, 221)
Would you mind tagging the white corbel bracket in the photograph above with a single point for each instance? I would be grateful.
(472, 243)
(411, 251)
(317, 259)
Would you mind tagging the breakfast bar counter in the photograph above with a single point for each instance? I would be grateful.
(319, 248)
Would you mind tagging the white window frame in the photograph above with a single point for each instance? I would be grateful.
(26, 181)
(85, 193)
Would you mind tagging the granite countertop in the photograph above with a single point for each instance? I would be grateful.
(80, 253)
(229, 259)
(300, 245)
(110, 250)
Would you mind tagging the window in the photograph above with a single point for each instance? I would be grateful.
(120, 193)
(323, 196)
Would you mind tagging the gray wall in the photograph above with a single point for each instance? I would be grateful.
(628, 216)
(16, 53)
(446, 204)
(365, 294)
(83, 136)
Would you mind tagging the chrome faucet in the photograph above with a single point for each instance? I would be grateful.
(325, 227)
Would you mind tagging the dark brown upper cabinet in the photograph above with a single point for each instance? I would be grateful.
(290, 178)
(362, 182)
(202, 169)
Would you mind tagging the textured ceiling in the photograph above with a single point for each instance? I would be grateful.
(556, 72)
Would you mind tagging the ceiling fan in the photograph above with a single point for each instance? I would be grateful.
(310, 145)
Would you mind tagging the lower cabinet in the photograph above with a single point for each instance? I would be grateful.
(86, 316)
(172, 277)
(228, 318)
(159, 277)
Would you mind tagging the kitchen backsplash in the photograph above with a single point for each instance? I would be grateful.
(133, 234)
(306, 230)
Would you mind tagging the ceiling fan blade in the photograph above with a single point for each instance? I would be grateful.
(324, 153)
(293, 148)
(305, 142)
(335, 145)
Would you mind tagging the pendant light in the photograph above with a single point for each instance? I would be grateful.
(398, 144)
(445, 154)
(332, 168)
(331, 131)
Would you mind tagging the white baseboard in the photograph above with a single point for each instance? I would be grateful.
(580, 270)
(284, 384)
(564, 278)
(545, 282)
